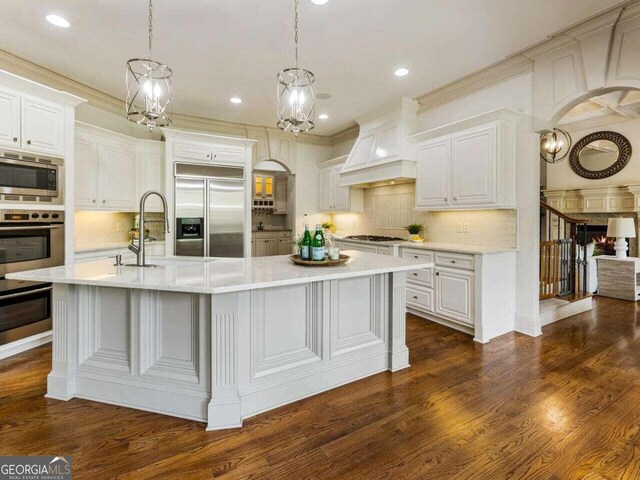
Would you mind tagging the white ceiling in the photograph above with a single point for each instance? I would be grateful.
(221, 48)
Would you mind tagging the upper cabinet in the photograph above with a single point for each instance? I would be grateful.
(31, 124)
(112, 171)
(332, 197)
(468, 165)
(202, 152)
(263, 186)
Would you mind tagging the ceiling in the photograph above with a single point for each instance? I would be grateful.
(221, 48)
(616, 106)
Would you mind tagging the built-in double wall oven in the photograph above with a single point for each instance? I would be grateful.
(28, 240)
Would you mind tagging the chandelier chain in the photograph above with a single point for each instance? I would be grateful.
(296, 31)
(150, 26)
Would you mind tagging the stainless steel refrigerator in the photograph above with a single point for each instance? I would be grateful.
(210, 210)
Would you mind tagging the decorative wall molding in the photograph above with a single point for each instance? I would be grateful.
(603, 199)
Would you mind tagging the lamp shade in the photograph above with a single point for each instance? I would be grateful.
(621, 228)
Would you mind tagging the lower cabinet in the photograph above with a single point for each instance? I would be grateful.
(473, 293)
(370, 248)
(267, 244)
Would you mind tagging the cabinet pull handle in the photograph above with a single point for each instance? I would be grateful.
(415, 256)
(446, 199)
(455, 198)
(28, 142)
(15, 139)
(415, 274)
(438, 274)
(415, 297)
(453, 261)
(104, 201)
(94, 200)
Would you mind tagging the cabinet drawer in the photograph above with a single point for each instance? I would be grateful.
(193, 151)
(417, 254)
(420, 298)
(359, 247)
(455, 260)
(284, 234)
(424, 276)
(266, 235)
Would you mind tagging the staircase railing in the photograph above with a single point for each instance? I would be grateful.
(563, 254)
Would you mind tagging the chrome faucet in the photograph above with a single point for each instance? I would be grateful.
(139, 250)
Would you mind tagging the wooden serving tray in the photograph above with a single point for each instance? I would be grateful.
(325, 263)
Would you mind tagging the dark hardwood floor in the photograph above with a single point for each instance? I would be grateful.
(564, 405)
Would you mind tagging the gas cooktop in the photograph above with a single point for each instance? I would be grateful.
(375, 238)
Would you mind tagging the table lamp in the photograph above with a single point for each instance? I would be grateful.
(621, 229)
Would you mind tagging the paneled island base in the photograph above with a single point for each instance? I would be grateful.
(222, 357)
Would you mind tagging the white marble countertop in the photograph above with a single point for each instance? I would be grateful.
(113, 246)
(438, 246)
(215, 276)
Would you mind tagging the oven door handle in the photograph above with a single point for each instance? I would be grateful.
(24, 294)
(29, 227)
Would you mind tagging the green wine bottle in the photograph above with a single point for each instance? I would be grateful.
(305, 247)
(317, 245)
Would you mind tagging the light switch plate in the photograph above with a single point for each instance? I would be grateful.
(465, 227)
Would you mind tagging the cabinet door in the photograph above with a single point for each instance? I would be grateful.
(454, 295)
(118, 175)
(261, 247)
(192, 151)
(325, 191)
(432, 182)
(341, 195)
(42, 126)
(150, 176)
(269, 187)
(284, 246)
(86, 173)
(228, 155)
(281, 195)
(474, 167)
(9, 119)
(272, 247)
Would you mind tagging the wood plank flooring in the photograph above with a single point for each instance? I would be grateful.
(561, 406)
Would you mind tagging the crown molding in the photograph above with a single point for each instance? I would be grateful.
(347, 134)
(522, 62)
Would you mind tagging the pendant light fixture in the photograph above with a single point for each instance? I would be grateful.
(296, 101)
(149, 89)
(555, 145)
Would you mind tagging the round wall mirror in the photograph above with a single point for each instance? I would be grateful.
(600, 155)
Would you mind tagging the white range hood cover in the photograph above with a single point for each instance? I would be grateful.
(381, 152)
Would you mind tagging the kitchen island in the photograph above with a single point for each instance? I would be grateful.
(220, 340)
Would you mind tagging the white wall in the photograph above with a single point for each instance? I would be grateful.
(560, 175)
(307, 185)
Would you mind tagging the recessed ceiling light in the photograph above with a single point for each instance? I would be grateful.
(319, 2)
(323, 96)
(58, 21)
(323, 116)
(401, 72)
(235, 100)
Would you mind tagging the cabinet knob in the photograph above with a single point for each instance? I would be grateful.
(415, 274)
(28, 142)
(15, 139)
(453, 261)
(415, 297)
(455, 198)
(446, 199)
(438, 274)
(104, 201)
(415, 256)
(94, 200)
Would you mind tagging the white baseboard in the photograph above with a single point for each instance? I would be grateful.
(565, 311)
(528, 325)
(24, 344)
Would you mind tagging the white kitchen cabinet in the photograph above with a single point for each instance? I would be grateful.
(9, 119)
(367, 247)
(150, 173)
(202, 152)
(117, 176)
(467, 165)
(281, 195)
(112, 171)
(334, 198)
(263, 186)
(471, 292)
(42, 126)
(269, 243)
(432, 183)
(284, 243)
(86, 172)
(454, 295)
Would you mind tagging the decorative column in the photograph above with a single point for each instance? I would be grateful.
(398, 351)
(61, 381)
(224, 406)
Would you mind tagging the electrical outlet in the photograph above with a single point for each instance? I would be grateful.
(465, 227)
(512, 229)
(459, 227)
(118, 227)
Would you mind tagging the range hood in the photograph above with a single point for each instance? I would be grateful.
(381, 154)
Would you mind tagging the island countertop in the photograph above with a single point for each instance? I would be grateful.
(215, 275)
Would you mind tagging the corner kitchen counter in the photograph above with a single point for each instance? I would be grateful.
(221, 340)
(457, 248)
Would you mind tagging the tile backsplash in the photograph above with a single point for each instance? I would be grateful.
(388, 209)
(97, 229)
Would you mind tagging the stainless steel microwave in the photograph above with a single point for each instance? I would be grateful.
(29, 178)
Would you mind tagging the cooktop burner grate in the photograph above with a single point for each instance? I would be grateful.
(375, 238)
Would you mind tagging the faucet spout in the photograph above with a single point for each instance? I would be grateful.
(139, 250)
